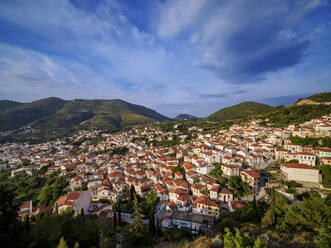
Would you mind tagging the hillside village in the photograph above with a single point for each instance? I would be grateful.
(195, 180)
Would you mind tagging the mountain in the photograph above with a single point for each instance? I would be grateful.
(184, 117)
(25, 113)
(54, 114)
(6, 104)
(239, 111)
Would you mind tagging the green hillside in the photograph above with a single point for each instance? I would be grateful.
(238, 111)
(100, 114)
(296, 114)
(321, 97)
(56, 116)
(23, 114)
(6, 104)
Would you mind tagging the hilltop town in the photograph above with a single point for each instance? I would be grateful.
(196, 176)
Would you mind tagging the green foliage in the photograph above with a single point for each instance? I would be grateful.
(177, 168)
(238, 111)
(52, 190)
(237, 240)
(47, 231)
(55, 117)
(29, 112)
(9, 225)
(120, 150)
(276, 212)
(239, 186)
(285, 115)
(24, 187)
(312, 215)
(177, 234)
(25, 163)
(6, 104)
(293, 184)
(218, 174)
(62, 243)
(326, 174)
(252, 214)
(325, 142)
(321, 97)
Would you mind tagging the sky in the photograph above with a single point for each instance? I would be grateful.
(174, 56)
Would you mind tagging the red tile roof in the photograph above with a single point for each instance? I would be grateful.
(298, 166)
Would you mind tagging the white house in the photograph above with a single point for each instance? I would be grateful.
(300, 172)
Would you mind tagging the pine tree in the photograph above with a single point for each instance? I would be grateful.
(119, 213)
(82, 214)
(62, 243)
(115, 216)
(136, 227)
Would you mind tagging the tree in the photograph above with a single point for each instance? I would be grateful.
(228, 239)
(115, 215)
(76, 245)
(8, 218)
(119, 213)
(258, 243)
(274, 217)
(82, 213)
(135, 231)
(62, 243)
(25, 163)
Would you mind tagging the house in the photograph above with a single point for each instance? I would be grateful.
(104, 192)
(174, 194)
(25, 209)
(325, 152)
(230, 170)
(307, 158)
(184, 202)
(293, 148)
(235, 205)
(196, 190)
(222, 194)
(77, 200)
(205, 169)
(300, 172)
(204, 205)
(188, 220)
(251, 177)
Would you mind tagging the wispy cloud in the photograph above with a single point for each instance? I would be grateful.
(191, 56)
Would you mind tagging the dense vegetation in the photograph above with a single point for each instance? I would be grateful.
(239, 111)
(184, 117)
(324, 142)
(235, 182)
(53, 117)
(6, 104)
(305, 224)
(321, 97)
(23, 114)
(41, 190)
(285, 115)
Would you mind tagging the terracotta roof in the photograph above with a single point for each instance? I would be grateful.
(184, 197)
(251, 173)
(61, 200)
(298, 166)
(237, 205)
(172, 205)
(205, 201)
(73, 196)
(215, 188)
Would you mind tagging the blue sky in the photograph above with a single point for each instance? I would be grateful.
(175, 56)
